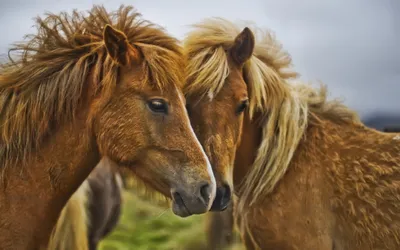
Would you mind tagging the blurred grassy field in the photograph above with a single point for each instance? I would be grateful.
(146, 225)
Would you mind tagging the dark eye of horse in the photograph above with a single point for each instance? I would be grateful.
(242, 107)
(158, 106)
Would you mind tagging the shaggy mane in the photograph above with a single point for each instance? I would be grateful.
(286, 108)
(43, 87)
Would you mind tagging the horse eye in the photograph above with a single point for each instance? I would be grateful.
(242, 107)
(158, 106)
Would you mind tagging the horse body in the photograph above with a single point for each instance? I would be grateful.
(307, 173)
(338, 193)
(82, 90)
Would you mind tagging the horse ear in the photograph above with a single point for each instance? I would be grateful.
(118, 46)
(243, 46)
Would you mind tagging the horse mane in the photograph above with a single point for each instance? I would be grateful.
(285, 108)
(71, 230)
(44, 85)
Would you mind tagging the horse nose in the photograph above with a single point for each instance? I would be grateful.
(222, 199)
(195, 200)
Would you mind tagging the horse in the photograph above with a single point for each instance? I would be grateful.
(89, 85)
(92, 212)
(307, 173)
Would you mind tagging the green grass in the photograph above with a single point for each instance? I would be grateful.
(145, 225)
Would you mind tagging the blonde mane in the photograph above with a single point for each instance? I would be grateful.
(286, 108)
(44, 86)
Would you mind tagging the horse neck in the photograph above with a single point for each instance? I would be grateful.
(36, 192)
(247, 150)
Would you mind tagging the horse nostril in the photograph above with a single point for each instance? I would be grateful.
(222, 198)
(226, 197)
(176, 196)
(205, 191)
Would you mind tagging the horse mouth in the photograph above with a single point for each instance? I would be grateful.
(179, 207)
(219, 209)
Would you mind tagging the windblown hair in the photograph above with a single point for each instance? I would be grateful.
(286, 108)
(71, 230)
(44, 86)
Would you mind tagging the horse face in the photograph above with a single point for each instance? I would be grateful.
(217, 120)
(146, 129)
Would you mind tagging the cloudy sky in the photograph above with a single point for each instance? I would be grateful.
(353, 46)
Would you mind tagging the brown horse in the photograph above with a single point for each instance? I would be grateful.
(307, 173)
(92, 211)
(80, 90)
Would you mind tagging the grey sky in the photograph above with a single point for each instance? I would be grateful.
(352, 46)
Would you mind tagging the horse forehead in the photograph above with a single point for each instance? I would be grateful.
(238, 85)
(234, 91)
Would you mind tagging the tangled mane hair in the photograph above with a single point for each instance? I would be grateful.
(286, 108)
(44, 86)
